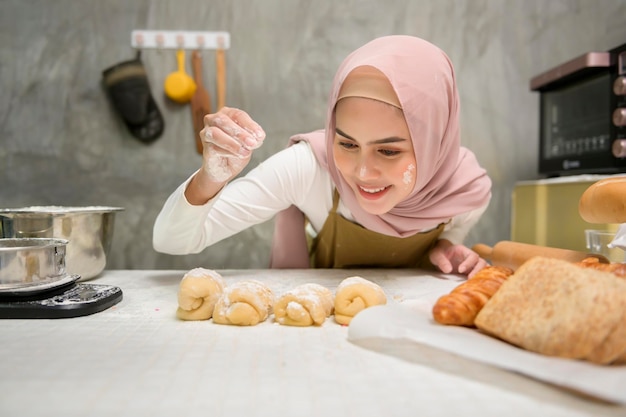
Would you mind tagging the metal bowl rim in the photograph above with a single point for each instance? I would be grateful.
(39, 243)
(60, 210)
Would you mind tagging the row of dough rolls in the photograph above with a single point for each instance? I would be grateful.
(203, 295)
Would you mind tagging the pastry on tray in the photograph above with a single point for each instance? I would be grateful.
(463, 303)
(557, 308)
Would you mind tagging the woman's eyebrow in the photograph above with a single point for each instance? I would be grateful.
(391, 139)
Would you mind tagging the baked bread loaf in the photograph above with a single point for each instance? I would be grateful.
(244, 303)
(604, 201)
(557, 308)
(463, 303)
(305, 305)
(355, 294)
(615, 268)
(198, 292)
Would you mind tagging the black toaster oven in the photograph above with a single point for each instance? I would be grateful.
(583, 115)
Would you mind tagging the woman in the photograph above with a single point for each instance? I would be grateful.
(385, 184)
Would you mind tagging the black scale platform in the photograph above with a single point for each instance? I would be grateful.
(63, 299)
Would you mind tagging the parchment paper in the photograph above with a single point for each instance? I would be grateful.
(412, 320)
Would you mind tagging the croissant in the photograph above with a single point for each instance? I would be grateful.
(461, 306)
(615, 268)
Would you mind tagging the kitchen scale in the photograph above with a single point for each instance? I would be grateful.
(56, 298)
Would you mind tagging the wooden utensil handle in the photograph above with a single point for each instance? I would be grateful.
(514, 254)
(220, 68)
(483, 250)
(196, 63)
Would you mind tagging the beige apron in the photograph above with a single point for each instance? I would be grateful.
(343, 244)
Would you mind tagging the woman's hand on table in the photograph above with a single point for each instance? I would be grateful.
(450, 258)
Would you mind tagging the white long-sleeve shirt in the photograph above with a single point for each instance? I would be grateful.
(290, 177)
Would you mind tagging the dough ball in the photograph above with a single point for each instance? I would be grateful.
(305, 305)
(198, 293)
(245, 303)
(355, 294)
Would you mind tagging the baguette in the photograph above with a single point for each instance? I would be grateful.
(604, 201)
(461, 306)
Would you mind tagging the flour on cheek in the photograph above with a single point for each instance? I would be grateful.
(407, 178)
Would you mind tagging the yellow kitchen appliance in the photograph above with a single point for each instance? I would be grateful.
(545, 212)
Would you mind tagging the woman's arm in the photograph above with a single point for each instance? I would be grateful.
(282, 180)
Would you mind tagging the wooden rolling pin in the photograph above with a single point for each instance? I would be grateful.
(514, 254)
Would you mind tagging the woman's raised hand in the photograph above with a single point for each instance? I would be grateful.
(228, 138)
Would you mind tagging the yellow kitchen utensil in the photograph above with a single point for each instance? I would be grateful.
(180, 86)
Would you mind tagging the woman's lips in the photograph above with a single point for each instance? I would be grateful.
(372, 193)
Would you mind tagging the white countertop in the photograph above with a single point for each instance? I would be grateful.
(137, 359)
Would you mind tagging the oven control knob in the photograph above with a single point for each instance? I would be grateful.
(619, 148)
(619, 117)
(619, 86)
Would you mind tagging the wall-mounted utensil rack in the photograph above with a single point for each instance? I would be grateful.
(179, 39)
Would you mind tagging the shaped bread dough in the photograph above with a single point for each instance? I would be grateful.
(305, 305)
(355, 294)
(198, 292)
(245, 303)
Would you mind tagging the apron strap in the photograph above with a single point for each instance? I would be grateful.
(335, 201)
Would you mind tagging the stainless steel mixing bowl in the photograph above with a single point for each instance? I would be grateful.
(88, 230)
(31, 261)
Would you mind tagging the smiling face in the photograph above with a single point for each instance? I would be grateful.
(374, 153)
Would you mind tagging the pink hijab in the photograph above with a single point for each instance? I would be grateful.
(449, 180)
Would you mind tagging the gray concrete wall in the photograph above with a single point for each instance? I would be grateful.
(61, 143)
